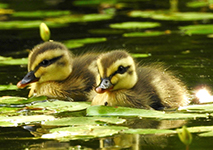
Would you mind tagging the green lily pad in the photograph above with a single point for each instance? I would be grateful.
(135, 25)
(207, 134)
(144, 34)
(84, 121)
(80, 18)
(197, 29)
(18, 120)
(20, 100)
(80, 42)
(9, 111)
(175, 16)
(196, 4)
(198, 108)
(61, 106)
(27, 24)
(4, 5)
(149, 131)
(125, 111)
(40, 14)
(19, 61)
(8, 87)
(140, 55)
(82, 132)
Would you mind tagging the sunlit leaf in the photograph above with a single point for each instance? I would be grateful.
(82, 132)
(80, 18)
(27, 24)
(80, 42)
(207, 134)
(18, 120)
(149, 131)
(125, 111)
(40, 14)
(135, 25)
(176, 16)
(195, 4)
(20, 100)
(141, 55)
(197, 29)
(61, 106)
(84, 121)
(12, 61)
(143, 34)
(8, 87)
(198, 108)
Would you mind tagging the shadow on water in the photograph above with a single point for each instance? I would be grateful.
(194, 68)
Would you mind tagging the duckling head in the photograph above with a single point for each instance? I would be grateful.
(116, 71)
(49, 61)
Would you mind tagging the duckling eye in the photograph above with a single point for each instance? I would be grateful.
(121, 69)
(44, 63)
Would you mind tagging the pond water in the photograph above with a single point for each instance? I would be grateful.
(189, 56)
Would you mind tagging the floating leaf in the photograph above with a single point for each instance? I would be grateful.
(80, 18)
(40, 14)
(198, 108)
(11, 61)
(61, 106)
(143, 34)
(125, 111)
(8, 87)
(82, 132)
(20, 100)
(80, 42)
(196, 4)
(197, 29)
(141, 55)
(176, 16)
(106, 31)
(84, 121)
(18, 120)
(135, 25)
(149, 131)
(27, 24)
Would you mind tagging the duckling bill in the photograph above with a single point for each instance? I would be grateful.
(121, 82)
(54, 72)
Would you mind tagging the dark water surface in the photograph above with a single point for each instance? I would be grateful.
(194, 68)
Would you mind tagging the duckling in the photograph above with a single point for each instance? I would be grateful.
(54, 72)
(121, 82)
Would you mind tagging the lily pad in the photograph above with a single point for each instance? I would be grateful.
(8, 87)
(149, 131)
(80, 42)
(40, 14)
(198, 108)
(82, 132)
(61, 106)
(135, 25)
(125, 111)
(20, 100)
(106, 31)
(11, 61)
(80, 18)
(140, 55)
(197, 29)
(196, 4)
(18, 120)
(27, 24)
(144, 34)
(84, 121)
(175, 16)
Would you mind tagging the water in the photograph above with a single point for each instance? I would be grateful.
(194, 68)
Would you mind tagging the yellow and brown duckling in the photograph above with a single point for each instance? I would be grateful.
(55, 73)
(122, 83)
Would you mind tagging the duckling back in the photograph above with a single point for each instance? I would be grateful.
(123, 83)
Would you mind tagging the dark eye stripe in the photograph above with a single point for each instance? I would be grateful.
(121, 70)
(45, 62)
